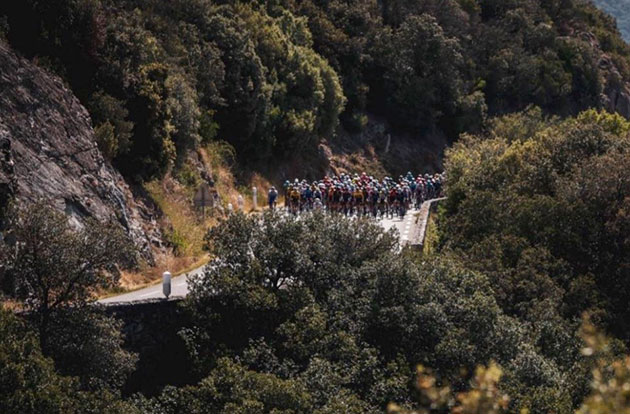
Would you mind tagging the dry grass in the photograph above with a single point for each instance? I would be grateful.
(11, 305)
(182, 224)
(262, 185)
(219, 158)
(149, 275)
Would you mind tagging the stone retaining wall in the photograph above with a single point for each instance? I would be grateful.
(428, 207)
(152, 330)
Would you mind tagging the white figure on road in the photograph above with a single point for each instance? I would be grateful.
(240, 201)
(166, 284)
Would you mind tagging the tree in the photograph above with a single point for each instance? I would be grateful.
(55, 266)
(542, 203)
(89, 345)
(30, 385)
(113, 131)
(423, 70)
(28, 382)
(244, 89)
(331, 302)
(153, 150)
(106, 140)
(307, 97)
(250, 391)
(182, 103)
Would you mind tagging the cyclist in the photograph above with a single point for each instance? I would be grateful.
(357, 195)
(271, 197)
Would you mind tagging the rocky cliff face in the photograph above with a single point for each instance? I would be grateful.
(48, 151)
(7, 172)
(615, 96)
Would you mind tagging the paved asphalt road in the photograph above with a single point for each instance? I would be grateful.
(405, 226)
(179, 284)
(179, 287)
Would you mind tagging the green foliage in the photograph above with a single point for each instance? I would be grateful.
(28, 382)
(609, 390)
(331, 307)
(30, 385)
(471, 7)
(298, 85)
(53, 265)
(153, 150)
(88, 345)
(275, 78)
(188, 176)
(106, 140)
(423, 66)
(178, 241)
(112, 129)
(185, 113)
(208, 127)
(612, 123)
(540, 206)
(250, 391)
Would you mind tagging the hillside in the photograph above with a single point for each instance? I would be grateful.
(276, 79)
(113, 113)
(620, 9)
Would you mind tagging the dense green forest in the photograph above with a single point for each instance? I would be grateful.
(275, 77)
(620, 9)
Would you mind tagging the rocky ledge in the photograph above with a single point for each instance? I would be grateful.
(48, 152)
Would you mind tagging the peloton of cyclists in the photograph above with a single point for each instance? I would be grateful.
(361, 194)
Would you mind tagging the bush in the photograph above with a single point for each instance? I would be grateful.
(88, 345)
(106, 140)
(541, 200)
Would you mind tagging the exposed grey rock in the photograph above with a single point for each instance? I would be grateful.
(48, 151)
(7, 170)
(616, 96)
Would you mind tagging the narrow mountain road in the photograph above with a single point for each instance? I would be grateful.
(406, 227)
(179, 288)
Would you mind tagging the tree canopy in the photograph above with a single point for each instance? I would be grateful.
(50, 265)
(276, 78)
(539, 205)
